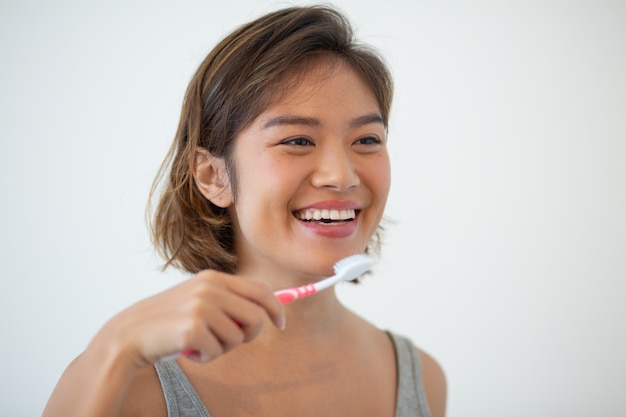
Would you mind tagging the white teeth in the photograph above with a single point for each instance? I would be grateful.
(326, 214)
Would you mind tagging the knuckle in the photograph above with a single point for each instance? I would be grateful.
(208, 278)
(194, 307)
(190, 329)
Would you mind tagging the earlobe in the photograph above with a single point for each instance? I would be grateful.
(212, 178)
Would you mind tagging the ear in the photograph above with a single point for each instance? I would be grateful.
(212, 179)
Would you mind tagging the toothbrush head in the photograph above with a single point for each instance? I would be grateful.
(352, 267)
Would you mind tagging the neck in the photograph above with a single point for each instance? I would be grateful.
(281, 275)
(319, 315)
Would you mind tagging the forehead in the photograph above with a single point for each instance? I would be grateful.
(324, 82)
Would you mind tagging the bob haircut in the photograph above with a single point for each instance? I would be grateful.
(235, 83)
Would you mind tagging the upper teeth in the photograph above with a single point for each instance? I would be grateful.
(326, 214)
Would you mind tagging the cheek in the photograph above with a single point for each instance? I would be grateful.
(263, 182)
(380, 176)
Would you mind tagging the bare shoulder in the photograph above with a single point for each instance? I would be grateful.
(435, 384)
(144, 396)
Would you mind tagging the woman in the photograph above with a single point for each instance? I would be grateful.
(279, 169)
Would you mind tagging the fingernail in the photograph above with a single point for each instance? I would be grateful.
(282, 322)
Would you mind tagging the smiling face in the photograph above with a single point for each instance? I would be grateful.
(313, 176)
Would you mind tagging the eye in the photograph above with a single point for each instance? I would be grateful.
(298, 141)
(368, 140)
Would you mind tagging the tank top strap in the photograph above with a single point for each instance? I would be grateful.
(181, 398)
(411, 398)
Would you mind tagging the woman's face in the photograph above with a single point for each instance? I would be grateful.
(313, 176)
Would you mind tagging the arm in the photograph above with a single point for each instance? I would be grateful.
(210, 314)
(94, 384)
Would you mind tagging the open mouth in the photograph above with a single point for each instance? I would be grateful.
(327, 216)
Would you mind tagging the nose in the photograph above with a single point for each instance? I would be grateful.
(335, 169)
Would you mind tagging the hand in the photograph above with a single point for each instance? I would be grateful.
(209, 314)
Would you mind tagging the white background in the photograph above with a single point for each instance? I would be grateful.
(507, 258)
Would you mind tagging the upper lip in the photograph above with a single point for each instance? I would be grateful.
(332, 205)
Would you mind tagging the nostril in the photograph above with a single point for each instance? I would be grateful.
(336, 177)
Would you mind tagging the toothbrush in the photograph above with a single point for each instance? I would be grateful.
(346, 269)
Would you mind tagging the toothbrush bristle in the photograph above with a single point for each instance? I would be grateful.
(354, 266)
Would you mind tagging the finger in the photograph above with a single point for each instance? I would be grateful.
(232, 319)
(250, 317)
(207, 348)
(229, 332)
(261, 295)
(238, 317)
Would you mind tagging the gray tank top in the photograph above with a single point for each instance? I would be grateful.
(183, 401)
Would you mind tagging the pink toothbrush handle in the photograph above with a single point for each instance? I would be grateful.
(188, 352)
(292, 294)
(286, 296)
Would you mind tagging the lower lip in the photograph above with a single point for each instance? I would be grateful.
(331, 230)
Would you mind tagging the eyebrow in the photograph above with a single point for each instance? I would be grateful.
(291, 120)
(310, 121)
(367, 119)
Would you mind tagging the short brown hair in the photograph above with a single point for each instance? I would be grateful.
(235, 83)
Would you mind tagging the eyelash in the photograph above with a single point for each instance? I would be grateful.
(297, 141)
(368, 140)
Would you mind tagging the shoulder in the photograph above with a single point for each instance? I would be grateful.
(435, 385)
(144, 396)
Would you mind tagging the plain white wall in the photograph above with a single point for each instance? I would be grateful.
(507, 257)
